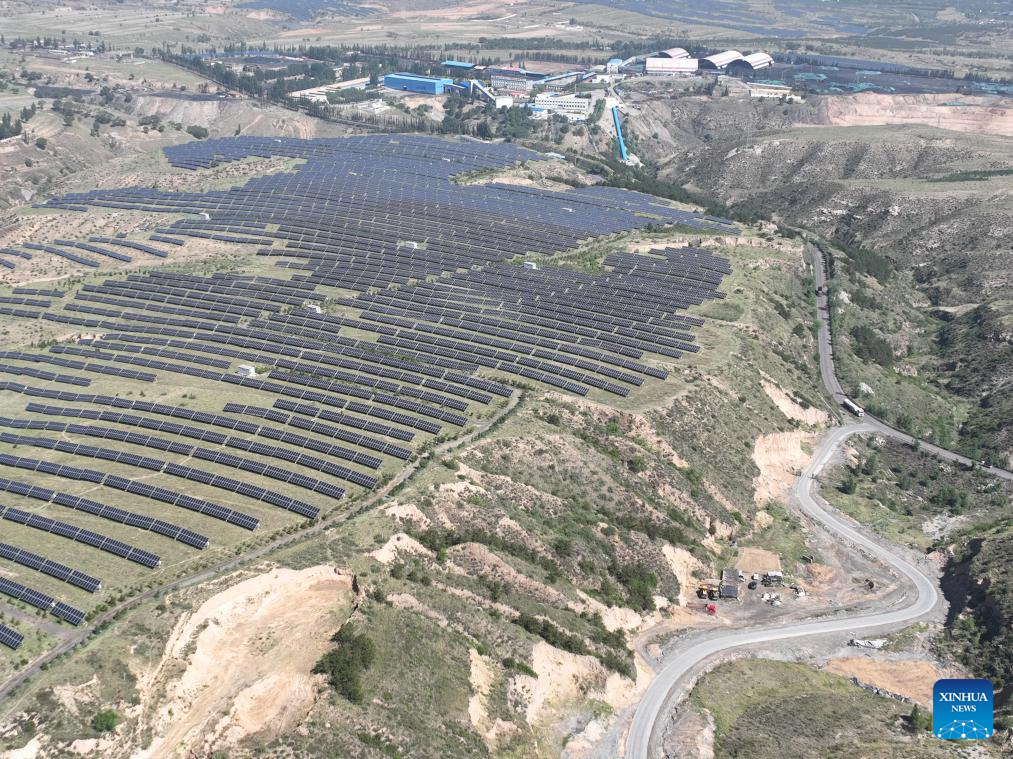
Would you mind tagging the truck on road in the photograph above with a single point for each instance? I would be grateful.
(853, 407)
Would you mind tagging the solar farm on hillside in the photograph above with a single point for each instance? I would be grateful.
(183, 413)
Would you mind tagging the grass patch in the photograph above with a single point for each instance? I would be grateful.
(781, 710)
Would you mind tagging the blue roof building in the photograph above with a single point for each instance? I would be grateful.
(458, 65)
(426, 85)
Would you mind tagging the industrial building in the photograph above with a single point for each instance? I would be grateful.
(513, 80)
(749, 64)
(764, 90)
(613, 65)
(735, 63)
(670, 66)
(560, 82)
(574, 107)
(460, 67)
(426, 85)
(674, 53)
(720, 61)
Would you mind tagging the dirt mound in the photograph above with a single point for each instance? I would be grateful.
(399, 544)
(683, 565)
(240, 664)
(779, 457)
(960, 113)
(792, 408)
(913, 679)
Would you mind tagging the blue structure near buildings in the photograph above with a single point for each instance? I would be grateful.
(619, 134)
(427, 85)
(458, 65)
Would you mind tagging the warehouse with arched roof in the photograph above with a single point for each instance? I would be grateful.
(720, 61)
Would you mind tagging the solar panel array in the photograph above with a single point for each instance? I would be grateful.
(372, 211)
(397, 315)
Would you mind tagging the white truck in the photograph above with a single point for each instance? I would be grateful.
(853, 407)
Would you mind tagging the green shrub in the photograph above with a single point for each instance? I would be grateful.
(345, 664)
(105, 721)
(871, 347)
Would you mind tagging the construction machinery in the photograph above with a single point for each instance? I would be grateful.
(709, 590)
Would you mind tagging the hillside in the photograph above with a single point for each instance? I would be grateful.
(548, 544)
(933, 204)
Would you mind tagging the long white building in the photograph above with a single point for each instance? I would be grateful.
(670, 66)
(573, 107)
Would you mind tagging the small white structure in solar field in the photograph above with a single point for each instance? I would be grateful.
(245, 370)
(531, 265)
(314, 308)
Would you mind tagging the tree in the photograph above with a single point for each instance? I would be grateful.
(41, 143)
(918, 721)
(850, 484)
(199, 132)
(345, 663)
(105, 721)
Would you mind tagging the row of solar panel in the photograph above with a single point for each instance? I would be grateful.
(103, 511)
(49, 567)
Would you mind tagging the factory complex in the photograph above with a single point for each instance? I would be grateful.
(570, 94)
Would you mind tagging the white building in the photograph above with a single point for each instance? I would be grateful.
(775, 91)
(672, 52)
(670, 66)
(573, 107)
(720, 61)
(513, 83)
(757, 61)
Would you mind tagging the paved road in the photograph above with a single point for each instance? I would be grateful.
(675, 679)
(833, 386)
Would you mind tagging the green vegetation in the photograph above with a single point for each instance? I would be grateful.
(975, 175)
(105, 721)
(979, 587)
(782, 710)
(640, 584)
(977, 359)
(869, 262)
(896, 490)
(551, 634)
(345, 664)
(871, 347)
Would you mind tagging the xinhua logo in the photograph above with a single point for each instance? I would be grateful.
(962, 709)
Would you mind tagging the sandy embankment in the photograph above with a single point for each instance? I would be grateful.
(240, 664)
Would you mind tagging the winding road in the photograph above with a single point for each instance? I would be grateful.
(674, 681)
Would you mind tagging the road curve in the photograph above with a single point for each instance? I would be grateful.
(680, 669)
(833, 386)
(677, 672)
